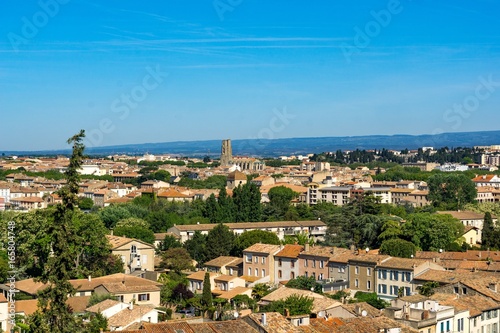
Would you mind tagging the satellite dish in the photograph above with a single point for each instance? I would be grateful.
(364, 313)
(367, 250)
(236, 314)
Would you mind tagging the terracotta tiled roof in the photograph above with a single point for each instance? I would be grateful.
(126, 317)
(290, 251)
(221, 261)
(235, 292)
(263, 248)
(475, 304)
(117, 241)
(464, 215)
(402, 263)
(102, 306)
(200, 275)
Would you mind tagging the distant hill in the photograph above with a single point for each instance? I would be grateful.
(277, 147)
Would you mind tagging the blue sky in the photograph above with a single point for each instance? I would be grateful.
(155, 71)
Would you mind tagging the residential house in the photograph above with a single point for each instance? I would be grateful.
(2, 204)
(195, 281)
(5, 193)
(468, 218)
(235, 179)
(472, 235)
(483, 314)
(338, 269)
(422, 313)
(227, 287)
(395, 276)
(121, 316)
(258, 262)
(232, 266)
(28, 203)
(322, 306)
(286, 263)
(173, 194)
(362, 275)
(487, 180)
(313, 261)
(154, 184)
(135, 254)
(315, 229)
(125, 287)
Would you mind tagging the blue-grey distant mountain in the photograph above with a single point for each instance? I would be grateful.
(276, 147)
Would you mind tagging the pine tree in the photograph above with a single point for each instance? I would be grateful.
(53, 314)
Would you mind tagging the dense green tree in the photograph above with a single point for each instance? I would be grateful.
(53, 314)
(177, 259)
(368, 228)
(247, 204)
(132, 222)
(431, 232)
(305, 283)
(96, 324)
(249, 238)
(340, 229)
(295, 304)
(280, 198)
(137, 232)
(112, 214)
(398, 248)
(372, 299)
(220, 242)
(4, 266)
(451, 190)
(169, 242)
(390, 229)
(197, 247)
(260, 290)
(85, 203)
(427, 289)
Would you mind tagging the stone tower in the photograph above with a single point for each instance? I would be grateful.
(226, 154)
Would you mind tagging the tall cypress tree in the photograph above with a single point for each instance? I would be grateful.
(53, 314)
(488, 237)
(207, 291)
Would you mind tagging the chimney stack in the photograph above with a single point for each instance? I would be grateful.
(131, 305)
(264, 320)
(90, 278)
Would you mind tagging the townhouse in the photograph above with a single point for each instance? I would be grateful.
(468, 218)
(258, 262)
(287, 263)
(362, 276)
(313, 261)
(395, 276)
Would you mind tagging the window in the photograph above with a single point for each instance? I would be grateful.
(408, 276)
(263, 260)
(356, 270)
(306, 274)
(133, 249)
(292, 275)
(442, 327)
(249, 271)
(464, 290)
(305, 263)
(248, 258)
(279, 262)
(321, 264)
(455, 290)
(384, 289)
(256, 260)
(292, 263)
(356, 283)
(256, 272)
(313, 275)
(263, 272)
(314, 263)
(368, 272)
(368, 285)
(408, 291)
(494, 328)
(199, 285)
(230, 271)
(447, 326)
(280, 274)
